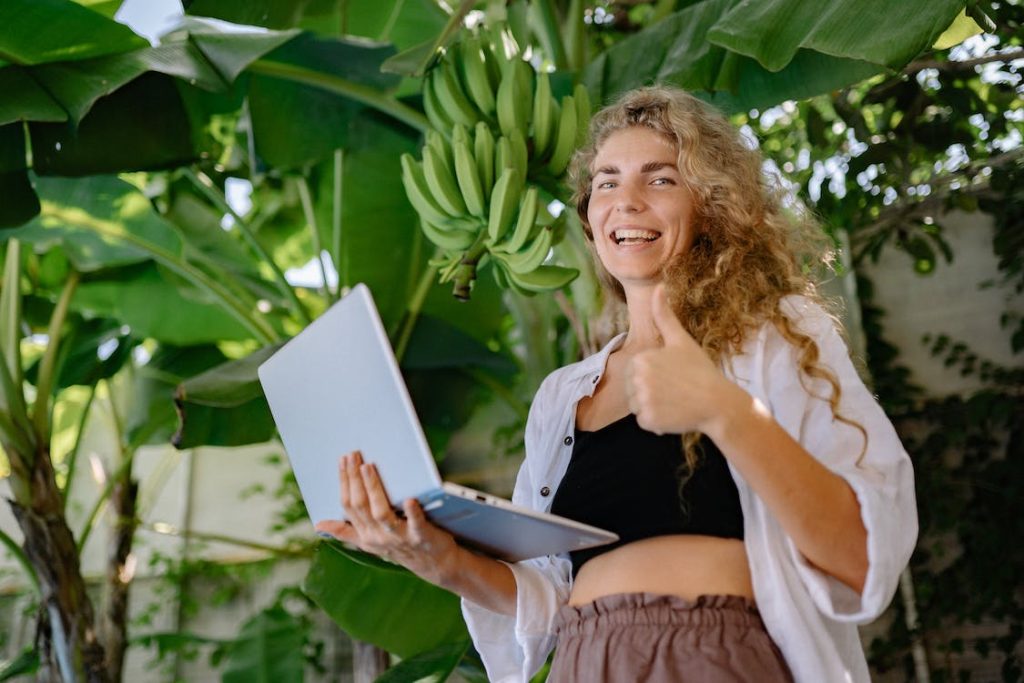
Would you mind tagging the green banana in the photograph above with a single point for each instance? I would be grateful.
(508, 109)
(459, 132)
(499, 275)
(453, 101)
(543, 278)
(468, 175)
(504, 200)
(530, 256)
(447, 237)
(483, 150)
(432, 108)
(440, 146)
(418, 192)
(545, 113)
(520, 155)
(565, 141)
(525, 77)
(582, 98)
(475, 77)
(503, 49)
(503, 156)
(524, 223)
(442, 183)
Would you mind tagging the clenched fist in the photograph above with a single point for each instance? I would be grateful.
(675, 388)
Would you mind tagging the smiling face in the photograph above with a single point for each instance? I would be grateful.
(640, 212)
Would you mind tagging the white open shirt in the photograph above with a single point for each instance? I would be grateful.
(811, 616)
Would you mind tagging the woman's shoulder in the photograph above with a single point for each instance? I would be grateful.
(768, 344)
(807, 313)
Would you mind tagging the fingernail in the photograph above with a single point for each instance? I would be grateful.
(324, 534)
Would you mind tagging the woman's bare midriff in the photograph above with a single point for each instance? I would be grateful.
(686, 566)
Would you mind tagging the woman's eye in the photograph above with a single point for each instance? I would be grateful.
(605, 185)
(662, 181)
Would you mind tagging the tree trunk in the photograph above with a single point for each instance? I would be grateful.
(68, 648)
(113, 626)
(368, 662)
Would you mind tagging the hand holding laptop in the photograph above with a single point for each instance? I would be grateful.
(426, 550)
(423, 548)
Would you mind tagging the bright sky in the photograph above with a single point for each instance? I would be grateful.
(149, 18)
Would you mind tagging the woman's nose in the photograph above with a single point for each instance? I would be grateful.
(628, 200)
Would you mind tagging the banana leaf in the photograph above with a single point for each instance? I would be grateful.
(41, 31)
(383, 604)
(147, 111)
(95, 349)
(107, 8)
(294, 124)
(268, 648)
(403, 23)
(152, 305)
(877, 31)
(745, 54)
(433, 666)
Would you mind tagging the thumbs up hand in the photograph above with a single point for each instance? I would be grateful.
(675, 388)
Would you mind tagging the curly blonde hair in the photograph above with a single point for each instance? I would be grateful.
(748, 251)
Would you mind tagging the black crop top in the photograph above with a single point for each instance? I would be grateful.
(625, 479)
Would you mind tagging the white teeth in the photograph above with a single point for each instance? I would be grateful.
(621, 236)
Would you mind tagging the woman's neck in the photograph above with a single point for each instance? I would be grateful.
(642, 334)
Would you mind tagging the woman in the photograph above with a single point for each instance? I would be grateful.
(753, 544)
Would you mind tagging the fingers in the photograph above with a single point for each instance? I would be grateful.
(380, 506)
(416, 519)
(357, 508)
(343, 531)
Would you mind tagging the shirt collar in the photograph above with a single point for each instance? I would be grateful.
(595, 364)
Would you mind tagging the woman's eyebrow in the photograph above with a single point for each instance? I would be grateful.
(652, 166)
(607, 170)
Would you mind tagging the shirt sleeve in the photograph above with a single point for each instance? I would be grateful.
(878, 470)
(515, 648)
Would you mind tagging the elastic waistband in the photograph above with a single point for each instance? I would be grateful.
(653, 609)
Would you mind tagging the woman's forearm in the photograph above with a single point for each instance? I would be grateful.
(816, 507)
(482, 580)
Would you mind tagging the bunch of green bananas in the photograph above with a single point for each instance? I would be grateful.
(495, 123)
(484, 78)
(474, 218)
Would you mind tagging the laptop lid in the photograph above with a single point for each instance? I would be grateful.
(334, 388)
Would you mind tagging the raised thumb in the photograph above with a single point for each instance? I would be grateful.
(665, 319)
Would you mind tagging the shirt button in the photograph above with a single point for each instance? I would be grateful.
(545, 492)
(567, 441)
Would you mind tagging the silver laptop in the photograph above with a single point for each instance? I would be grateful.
(336, 388)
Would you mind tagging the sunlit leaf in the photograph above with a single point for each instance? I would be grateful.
(877, 31)
(86, 217)
(153, 306)
(41, 31)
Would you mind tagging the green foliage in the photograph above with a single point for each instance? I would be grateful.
(26, 663)
(41, 31)
(269, 648)
(433, 666)
(382, 603)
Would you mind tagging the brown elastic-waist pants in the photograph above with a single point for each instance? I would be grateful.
(663, 638)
